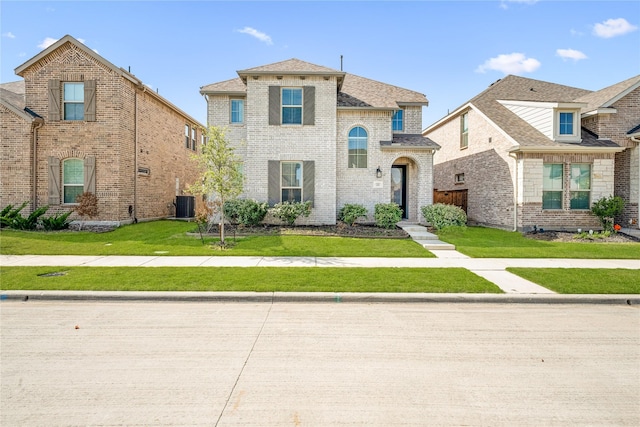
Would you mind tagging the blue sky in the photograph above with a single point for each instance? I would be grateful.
(448, 50)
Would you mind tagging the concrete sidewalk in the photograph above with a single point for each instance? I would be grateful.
(492, 269)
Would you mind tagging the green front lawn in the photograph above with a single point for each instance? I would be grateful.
(481, 242)
(255, 279)
(170, 238)
(583, 281)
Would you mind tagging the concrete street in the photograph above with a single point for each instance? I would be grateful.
(318, 364)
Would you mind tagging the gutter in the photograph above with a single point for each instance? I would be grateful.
(35, 125)
(514, 156)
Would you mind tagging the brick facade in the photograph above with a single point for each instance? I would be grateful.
(133, 128)
(325, 142)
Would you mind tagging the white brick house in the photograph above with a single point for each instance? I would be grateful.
(537, 154)
(308, 132)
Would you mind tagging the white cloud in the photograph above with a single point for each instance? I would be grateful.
(576, 33)
(257, 34)
(47, 42)
(576, 55)
(613, 27)
(513, 63)
(9, 35)
(504, 4)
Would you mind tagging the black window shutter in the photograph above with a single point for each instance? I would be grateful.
(274, 105)
(309, 107)
(274, 182)
(308, 180)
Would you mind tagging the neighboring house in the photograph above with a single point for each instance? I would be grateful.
(78, 123)
(311, 133)
(532, 154)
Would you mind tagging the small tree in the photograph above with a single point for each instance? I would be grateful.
(87, 206)
(606, 210)
(220, 175)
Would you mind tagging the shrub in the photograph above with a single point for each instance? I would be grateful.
(441, 215)
(56, 222)
(245, 211)
(289, 212)
(29, 223)
(606, 209)
(8, 214)
(387, 215)
(350, 213)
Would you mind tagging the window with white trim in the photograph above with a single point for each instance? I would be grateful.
(187, 140)
(552, 186)
(73, 100)
(72, 180)
(580, 186)
(397, 122)
(291, 183)
(464, 130)
(237, 111)
(291, 106)
(357, 148)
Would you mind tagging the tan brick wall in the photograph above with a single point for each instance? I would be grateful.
(15, 159)
(111, 139)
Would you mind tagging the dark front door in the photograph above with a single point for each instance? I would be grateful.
(399, 187)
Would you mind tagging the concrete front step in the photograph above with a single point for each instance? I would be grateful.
(435, 244)
(422, 236)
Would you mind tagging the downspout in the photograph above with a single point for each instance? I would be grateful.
(136, 126)
(635, 139)
(515, 192)
(35, 125)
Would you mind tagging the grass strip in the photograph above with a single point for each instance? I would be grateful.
(256, 279)
(583, 281)
(170, 238)
(481, 242)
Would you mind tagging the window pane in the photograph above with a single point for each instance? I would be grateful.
(292, 115)
(71, 193)
(74, 92)
(237, 111)
(580, 177)
(552, 177)
(291, 195)
(291, 97)
(552, 200)
(579, 200)
(73, 171)
(566, 123)
(73, 111)
(291, 174)
(397, 120)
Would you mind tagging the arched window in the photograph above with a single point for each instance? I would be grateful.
(357, 148)
(72, 179)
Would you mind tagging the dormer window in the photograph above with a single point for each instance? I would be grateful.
(566, 126)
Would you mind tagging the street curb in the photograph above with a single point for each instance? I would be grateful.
(315, 297)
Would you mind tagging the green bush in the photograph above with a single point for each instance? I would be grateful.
(9, 213)
(606, 209)
(56, 222)
(387, 215)
(19, 222)
(245, 211)
(441, 215)
(289, 212)
(350, 213)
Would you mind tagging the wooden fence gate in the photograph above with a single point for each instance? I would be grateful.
(454, 197)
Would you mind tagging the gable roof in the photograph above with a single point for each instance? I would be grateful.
(118, 70)
(605, 98)
(353, 91)
(13, 93)
(516, 88)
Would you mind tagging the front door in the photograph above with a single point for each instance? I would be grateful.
(399, 187)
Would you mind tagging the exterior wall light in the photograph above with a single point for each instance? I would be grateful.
(378, 172)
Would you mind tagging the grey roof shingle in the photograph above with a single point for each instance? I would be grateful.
(354, 91)
(407, 140)
(634, 130)
(524, 89)
(603, 97)
(13, 93)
